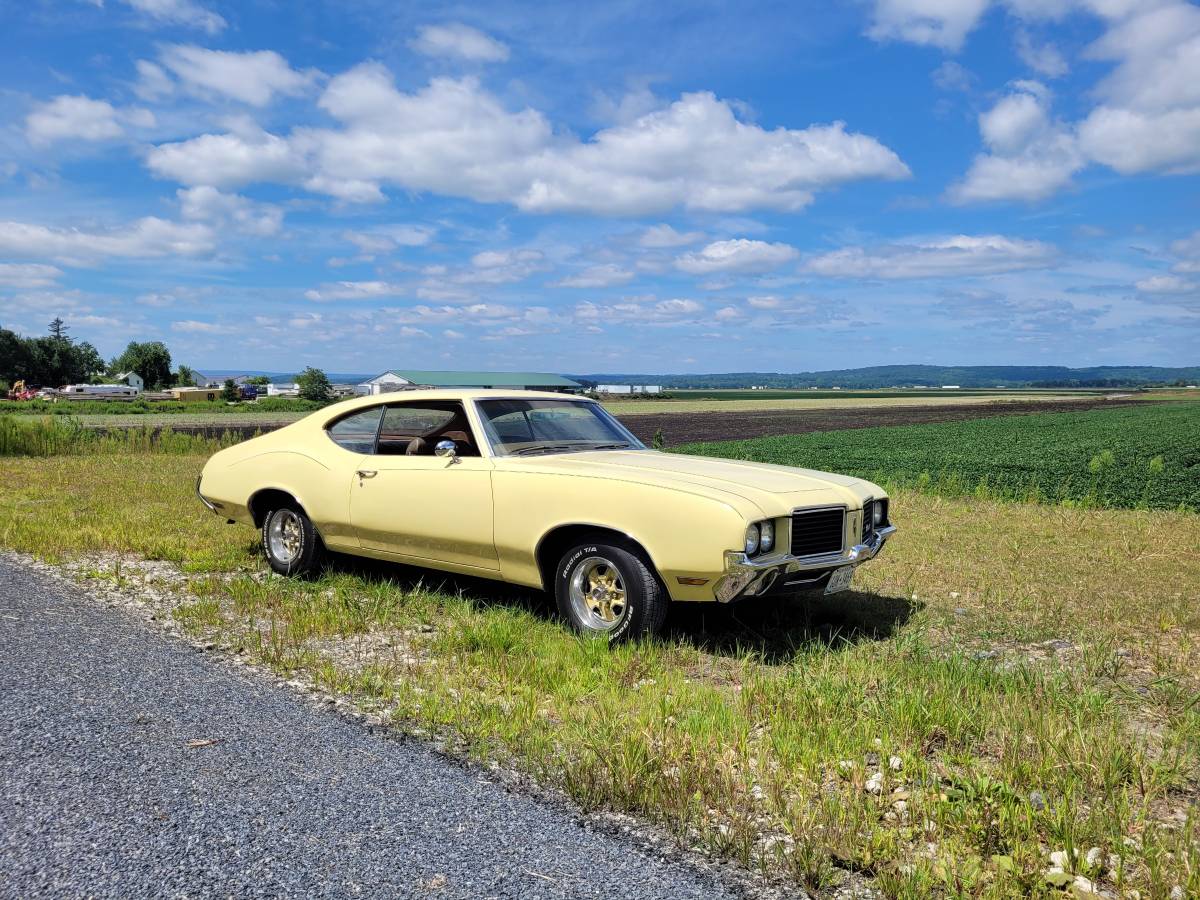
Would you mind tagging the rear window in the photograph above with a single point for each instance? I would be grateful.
(357, 432)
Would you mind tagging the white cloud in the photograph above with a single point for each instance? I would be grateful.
(645, 310)
(1031, 155)
(940, 23)
(252, 77)
(207, 204)
(227, 160)
(599, 276)
(24, 276)
(454, 138)
(390, 237)
(354, 290)
(179, 12)
(1166, 284)
(153, 82)
(1043, 58)
(1188, 251)
(738, 255)
(192, 326)
(1133, 142)
(81, 118)
(664, 236)
(146, 238)
(459, 41)
(958, 255)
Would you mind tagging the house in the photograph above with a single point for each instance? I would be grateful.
(629, 389)
(133, 379)
(408, 379)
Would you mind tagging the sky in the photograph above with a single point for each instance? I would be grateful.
(607, 187)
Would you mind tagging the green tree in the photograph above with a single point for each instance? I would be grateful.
(59, 329)
(229, 392)
(185, 376)
(260, 380)
(151, 360)
(313, 384)
(53, 360)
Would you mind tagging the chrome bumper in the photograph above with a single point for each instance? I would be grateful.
(745, 577)
(212, 507)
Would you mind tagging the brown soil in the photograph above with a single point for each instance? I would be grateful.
(684, 428)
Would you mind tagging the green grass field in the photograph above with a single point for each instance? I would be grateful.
(1129, 456)
(824, 394)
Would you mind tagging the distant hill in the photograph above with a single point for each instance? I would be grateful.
(930, 376)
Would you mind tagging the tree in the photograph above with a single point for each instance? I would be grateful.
(313, 384)
(185, 376)
(229, 393)
(58, 330)
(260, 380)
(151, 360)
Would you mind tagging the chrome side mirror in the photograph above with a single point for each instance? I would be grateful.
(446, 450)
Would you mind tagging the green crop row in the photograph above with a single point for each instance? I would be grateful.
(1129, 456)
(145, 407)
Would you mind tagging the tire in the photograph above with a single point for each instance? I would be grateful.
(291, 543)
(606, 589)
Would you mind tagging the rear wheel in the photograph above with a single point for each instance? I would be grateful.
(291, 543)
(607, 589)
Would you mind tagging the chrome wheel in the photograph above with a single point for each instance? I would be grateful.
(598, 594)
(285, 536)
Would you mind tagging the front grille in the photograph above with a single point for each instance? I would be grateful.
(868, 524)
(817, 532)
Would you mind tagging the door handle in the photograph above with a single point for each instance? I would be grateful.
(366, 473)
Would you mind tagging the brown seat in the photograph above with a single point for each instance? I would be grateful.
(418, 446)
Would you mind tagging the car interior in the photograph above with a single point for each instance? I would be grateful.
(406, 429)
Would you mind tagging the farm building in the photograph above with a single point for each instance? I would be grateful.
(133, 379)
(407, 379)
(194, 394)
(629, 388)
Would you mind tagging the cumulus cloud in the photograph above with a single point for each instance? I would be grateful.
(81, 118)
(146, 238)
(1188, 251)
(940, 23)
(353, 290)
(1043, 58)
(179, 12)
(1031, 155)
(1166, 284)
(646, 310)
(738, 255)
(658, 237)
(207, 204)
(460, 42)
(453, 137)
(24, 276)
(599, 276)
(941, 257)
(389, 238)
(252, 77)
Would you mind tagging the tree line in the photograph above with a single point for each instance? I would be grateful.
(56, 359)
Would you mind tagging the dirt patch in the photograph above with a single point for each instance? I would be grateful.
(685, 428)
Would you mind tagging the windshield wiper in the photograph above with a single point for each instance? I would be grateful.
(545, 448)
(624, 445)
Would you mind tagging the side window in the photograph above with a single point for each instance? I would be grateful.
(356, 433)
(414, 429)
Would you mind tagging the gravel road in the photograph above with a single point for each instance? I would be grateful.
(132, 765)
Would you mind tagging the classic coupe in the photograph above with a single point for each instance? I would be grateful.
(544, 490)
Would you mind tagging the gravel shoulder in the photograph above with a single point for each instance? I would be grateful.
(133, 765)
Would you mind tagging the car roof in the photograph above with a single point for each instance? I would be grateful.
(443, 394)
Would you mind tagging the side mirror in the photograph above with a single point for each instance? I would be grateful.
(446, 449)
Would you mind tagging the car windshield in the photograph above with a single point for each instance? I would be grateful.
(529, 427)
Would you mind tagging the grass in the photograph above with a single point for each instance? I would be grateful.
(757, 732)
(1129, 456)
(139, 408)
(48, 436)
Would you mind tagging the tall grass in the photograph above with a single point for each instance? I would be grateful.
(54, 436)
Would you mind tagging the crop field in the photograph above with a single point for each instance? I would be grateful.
(1007, 681)
(826, 394)
(1141, 455)
(761, 400)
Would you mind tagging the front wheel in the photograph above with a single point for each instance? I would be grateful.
(291, 543)
(607, 590)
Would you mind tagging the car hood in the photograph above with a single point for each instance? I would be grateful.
(775, 490)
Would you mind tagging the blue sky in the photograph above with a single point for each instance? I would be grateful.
(605, 187)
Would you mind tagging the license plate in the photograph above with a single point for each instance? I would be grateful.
(839, 580)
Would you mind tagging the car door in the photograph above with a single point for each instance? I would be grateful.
(421, 506)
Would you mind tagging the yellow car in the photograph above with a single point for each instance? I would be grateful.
(544, 490)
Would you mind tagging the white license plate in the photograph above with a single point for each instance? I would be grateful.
(839, 580)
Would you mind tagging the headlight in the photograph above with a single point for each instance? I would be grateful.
(751, 540)
(766, 538)
(879, 511)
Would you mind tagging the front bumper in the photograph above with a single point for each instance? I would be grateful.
(214, 508)
(745, 577)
